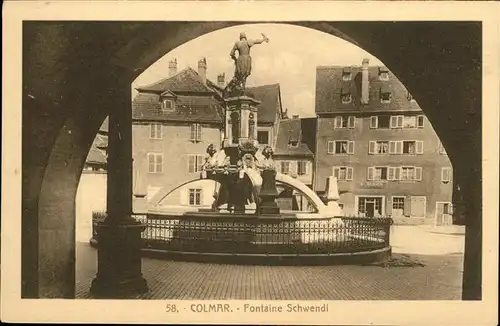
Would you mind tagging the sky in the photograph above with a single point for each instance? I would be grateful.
(290, 59)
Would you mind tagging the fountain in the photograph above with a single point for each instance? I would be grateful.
(245, 222)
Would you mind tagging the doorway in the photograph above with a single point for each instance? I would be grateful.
(370, 206)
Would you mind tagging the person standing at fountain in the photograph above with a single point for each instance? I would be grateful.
(243, 63)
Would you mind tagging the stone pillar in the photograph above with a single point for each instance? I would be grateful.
(332, 196)
(119, 236)
(268, 193)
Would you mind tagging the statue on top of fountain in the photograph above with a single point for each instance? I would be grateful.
(242, 63)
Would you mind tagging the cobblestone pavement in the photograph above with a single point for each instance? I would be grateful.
(439, 279)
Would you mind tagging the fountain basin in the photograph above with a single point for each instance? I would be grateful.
(269, 240)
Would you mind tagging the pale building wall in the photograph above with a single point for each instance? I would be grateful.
(90, 196)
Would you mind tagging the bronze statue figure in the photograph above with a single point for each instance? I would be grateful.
(243, 63)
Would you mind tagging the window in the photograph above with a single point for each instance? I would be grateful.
(346, 74)
(383, 74)
(445, 175)
(344, 122)
(167, 105)
(285, 167)
(263, 137)
(155, 163)
(343, 173)
(195, 197)
(406, 147)
(410, 173)
(396, 121)
(155, 131)
(370, 206)
(341, 147)
(380, 122)
(409, 122)
(195, 163)
(195, 132)
(398, 206)
(378, 147)
(346, 98)
(302, 167)
(409, 147)
(377, 173)
(385, 97)
(420, 121)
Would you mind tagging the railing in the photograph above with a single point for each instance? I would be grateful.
(232, 234)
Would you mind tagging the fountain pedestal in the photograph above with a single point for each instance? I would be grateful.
(268, 193)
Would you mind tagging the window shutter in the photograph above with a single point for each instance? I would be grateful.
(192, 136)
(420, 121)
(331, 146)
(399, 121)
(390, 173)
(350, 122)
(371, 147)
(407, 207)
(370, 173)
(337, 122)
(191, 163)
(445, 174)
(198, 132)
(394, 122)
(349, 173)
(388, 207)
(159, 163)
(399, 147)
(420, 147)
(418, 173)
(374, 122)
(397, 173)
(392, 147)
(336, 172)
(199, 163)
(152, 131)
(350, 147)
(151, 161)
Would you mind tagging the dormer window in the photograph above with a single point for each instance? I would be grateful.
(346, 96)
(346, 74)
(385, 95)
(167, 105)
(383, 73)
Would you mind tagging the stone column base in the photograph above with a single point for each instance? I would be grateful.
(119, 272)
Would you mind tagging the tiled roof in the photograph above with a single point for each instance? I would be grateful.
(146, 106)
(105, 126)
(294, 130)
(96, 156)
(186, 81)
(270, 98)
(330, 85)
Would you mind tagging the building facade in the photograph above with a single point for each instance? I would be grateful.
(295, 144)
(174, 121)
(383, 150)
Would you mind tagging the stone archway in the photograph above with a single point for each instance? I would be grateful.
(62, 112)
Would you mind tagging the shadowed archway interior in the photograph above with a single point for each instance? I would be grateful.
(77, 73)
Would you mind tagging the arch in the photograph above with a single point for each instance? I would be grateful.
(432, 69)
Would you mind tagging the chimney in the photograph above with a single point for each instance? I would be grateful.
(172, 67)
(202, 69)
(365, 83)
(221, 80)
(295, 116)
